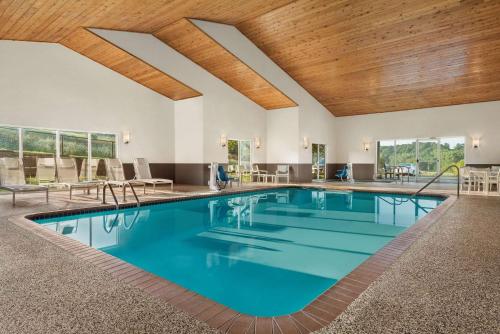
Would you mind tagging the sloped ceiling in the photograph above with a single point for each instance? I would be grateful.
(355, 57)
(185, 37)
(105, 53)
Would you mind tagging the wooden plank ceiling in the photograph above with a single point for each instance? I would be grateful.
(103, 52)
(365, 56)
(52, 20)
(192, 42)
(355, 57)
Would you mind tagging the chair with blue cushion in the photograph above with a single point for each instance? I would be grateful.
(342, 173)
(223, 179)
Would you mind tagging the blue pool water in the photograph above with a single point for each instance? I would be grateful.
(265, 253)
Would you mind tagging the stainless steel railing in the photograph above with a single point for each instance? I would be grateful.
(117, 205)
(438, 176)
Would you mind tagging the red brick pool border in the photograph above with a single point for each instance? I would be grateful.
(319, 313)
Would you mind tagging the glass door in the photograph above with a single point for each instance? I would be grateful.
(318, 161)
(428, 157)
(452, 152)
(239, 157)
(406, 157)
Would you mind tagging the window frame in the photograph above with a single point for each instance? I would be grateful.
(58, 132)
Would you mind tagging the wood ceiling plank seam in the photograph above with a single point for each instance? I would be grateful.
(43, 25)
(113, 16)
(67, 20)
(25, 19)
(29, 28)
(4, 5)
(17, 13)
(166, 10)
(54, 21)
(216, 44)
(8, 9)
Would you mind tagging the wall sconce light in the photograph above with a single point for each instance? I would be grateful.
(223, 140)
(257, 142)
(366, 146)
(126, 136)
(475, 142)
(305, 142)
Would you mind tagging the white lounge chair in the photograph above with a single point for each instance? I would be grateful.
(67, 175)
(143, 174)
(94, 163)
(283, 171)
(46, 170)
(12, 179)
(116, 176)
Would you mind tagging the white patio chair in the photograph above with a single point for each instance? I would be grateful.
(143, 174)
(494, 178)
(259, 173)
(67, 175)
(116, 176)
(283, 171)
(12, 179)
(465, 178)
(479, 178)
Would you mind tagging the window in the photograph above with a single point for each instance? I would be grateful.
(103, 146)
(9, 142)
(385, 154)
(424, 157)
(37, 144)
(452, 153)
(75, 145)
(43, 143)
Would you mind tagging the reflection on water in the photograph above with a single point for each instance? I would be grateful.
(266, 253)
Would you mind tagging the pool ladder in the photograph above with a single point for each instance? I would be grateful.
(111, 190)
(438, 176)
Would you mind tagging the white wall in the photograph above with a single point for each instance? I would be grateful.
(225, 111)
(315, 121)
(480, 120)
(48, 85)
(282, 135)
(189, 130)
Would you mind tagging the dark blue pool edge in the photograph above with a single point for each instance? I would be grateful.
(316, 315)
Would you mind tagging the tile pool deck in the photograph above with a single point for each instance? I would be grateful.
(129, 281)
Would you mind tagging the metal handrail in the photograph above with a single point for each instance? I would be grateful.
(438, 176)
(135, 195)
(109, 185)
(117, 205)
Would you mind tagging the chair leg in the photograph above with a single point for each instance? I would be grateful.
(13, 199)
(124, 192)
(154, 188)
(47, 196)
(97, 190)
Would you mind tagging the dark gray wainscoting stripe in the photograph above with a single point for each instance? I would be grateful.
(483, 165)
(362, 172)
(158, 170)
